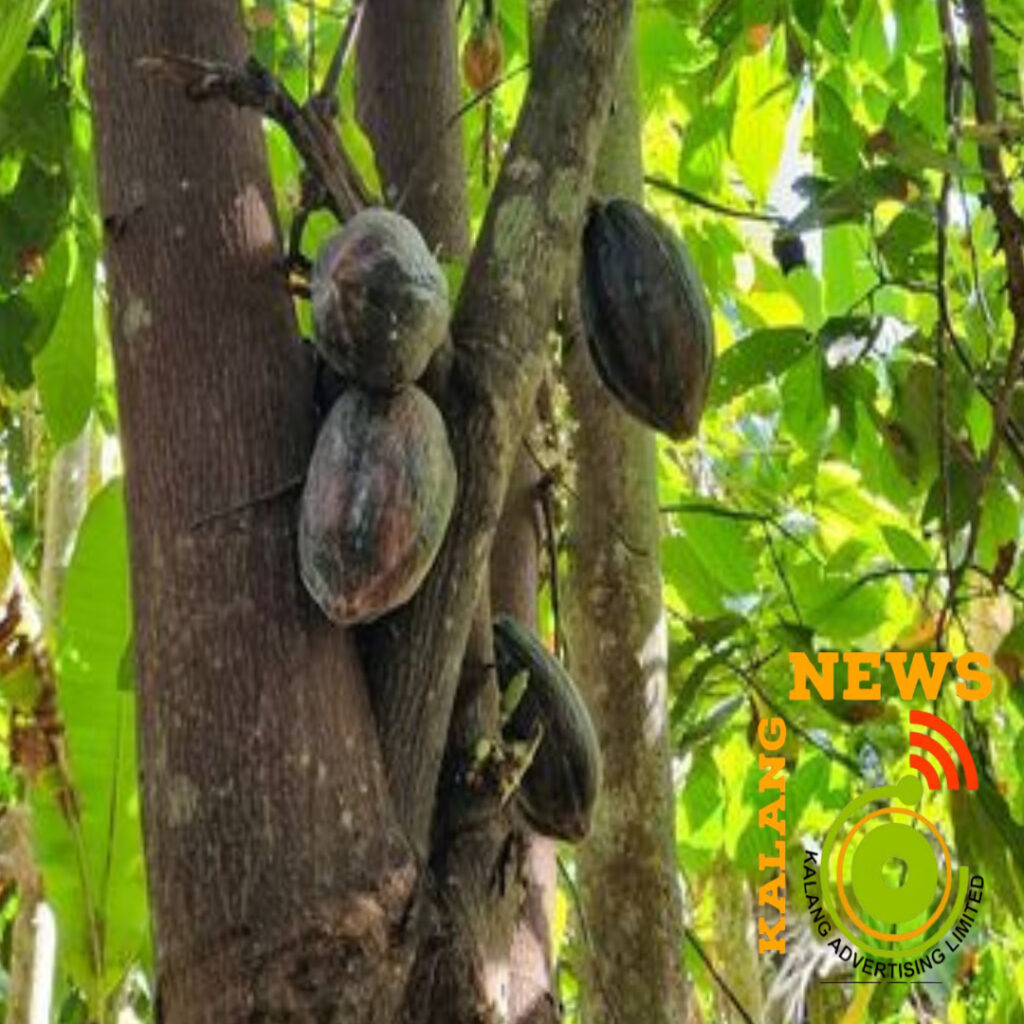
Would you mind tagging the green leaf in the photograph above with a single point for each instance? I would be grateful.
(92, 861)
(1020, 66)
(711, 560)
(31, 217)
(702, 795)
(906, 549)
(16, 20)
(17, 321)
(909, 232)
(804, 409)
(65, 370)
(34, 113)
(756, 359)
(762, 111)
(808, 14)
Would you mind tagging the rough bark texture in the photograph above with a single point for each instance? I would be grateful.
(617, 643)
(279, 883)
(529, 235)
(281, 887)
(407, 91)
(514, 581)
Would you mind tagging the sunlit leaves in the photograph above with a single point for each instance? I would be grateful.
(16, 20)
(92, 859)
(764, 100)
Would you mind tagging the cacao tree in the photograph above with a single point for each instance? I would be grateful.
(423, 681)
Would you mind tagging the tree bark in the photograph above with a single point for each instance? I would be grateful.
(514, 583)
(407, 92)
(528, 238)
(617, 640)
(280, 884)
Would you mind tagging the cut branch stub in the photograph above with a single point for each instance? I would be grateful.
(310, 126)
(377, 501)
(380, 300)
(646, 315)
(560, 787)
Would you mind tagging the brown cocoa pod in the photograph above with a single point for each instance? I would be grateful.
(376, 504)
(380, 300)
(559, 789)
(482, 56)
(646, 317)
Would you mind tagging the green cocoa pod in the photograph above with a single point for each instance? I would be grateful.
(559, 788)
(646, 317)
(378, 496)
(380, 300)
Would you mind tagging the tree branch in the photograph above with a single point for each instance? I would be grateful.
(1010, 229)
(527, 243)
(695, 199)
(310, 127)
(944, 331)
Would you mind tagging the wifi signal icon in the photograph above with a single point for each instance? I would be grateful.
(930, 745)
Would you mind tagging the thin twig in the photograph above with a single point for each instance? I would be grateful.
(1010, 230)
(310, 49)
(344, 48)
(695, 199)
(713, 971)
(574, 894)
(750, 678)
(781, 572)
(544, 489)
(740, 514)
(427, 156)
(943, 331)
(279, 491)
(877, 575)
(1003, 27)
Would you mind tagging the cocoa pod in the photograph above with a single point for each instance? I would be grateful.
(559, 788)
(646, 317)
(482, 56)
(380, 300)
(376, 504)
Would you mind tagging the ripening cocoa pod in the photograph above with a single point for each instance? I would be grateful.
(482, 56)
(646, 317)
(559, 789)
(376, 505)
(380, 300)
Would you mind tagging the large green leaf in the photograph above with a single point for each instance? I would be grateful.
(92, 860)
(65, 370)
(756, 359)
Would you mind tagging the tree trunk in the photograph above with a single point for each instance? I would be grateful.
(408, 93)
(408, 90)
(617, 641)
(280, 885)
(514, 582)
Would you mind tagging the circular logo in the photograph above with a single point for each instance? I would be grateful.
(893, 885)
